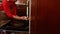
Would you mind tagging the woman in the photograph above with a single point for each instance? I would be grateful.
(10, 9)
(6, 6)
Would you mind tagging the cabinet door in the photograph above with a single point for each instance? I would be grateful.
(47, 16)
(33, 16)
(53, 16)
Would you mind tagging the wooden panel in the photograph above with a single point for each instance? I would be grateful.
(53, 16)
(34, 16)
(42, 17)
(48, 20)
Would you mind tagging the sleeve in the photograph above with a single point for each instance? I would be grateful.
(7, 9)
(15, 9)
(1, 7)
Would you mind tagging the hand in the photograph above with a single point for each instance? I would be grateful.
(24, 18)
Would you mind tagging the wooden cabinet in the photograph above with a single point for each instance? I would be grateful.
(47, 17)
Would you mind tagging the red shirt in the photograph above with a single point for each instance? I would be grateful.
(5, 6)
(1, 7)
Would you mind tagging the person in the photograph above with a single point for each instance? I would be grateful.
(10, 9)
(6, 6)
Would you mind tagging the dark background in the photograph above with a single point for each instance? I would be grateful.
(46, 14)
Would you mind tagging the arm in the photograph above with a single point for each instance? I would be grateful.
(21, 17)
